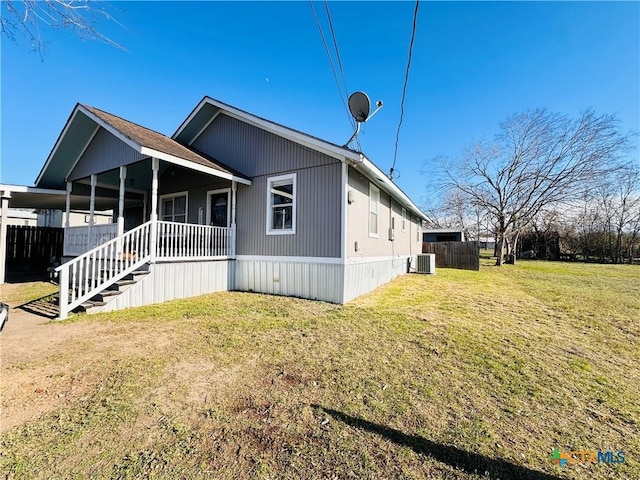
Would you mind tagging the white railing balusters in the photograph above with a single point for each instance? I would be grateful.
(90, 273)
(185, 241)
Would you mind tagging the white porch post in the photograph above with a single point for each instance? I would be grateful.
(144, 207)
(67, 210)
(92, 207)
(234, 188)
(123, 178)
(4, 199)
(155, 166)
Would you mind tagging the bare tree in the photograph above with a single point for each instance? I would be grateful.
(29, 18)
(627, 208)
(539, 159)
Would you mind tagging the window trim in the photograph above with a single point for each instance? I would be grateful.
(404, 219)
(270, 181)
(210, 193)
(374, 188)
(166, 196)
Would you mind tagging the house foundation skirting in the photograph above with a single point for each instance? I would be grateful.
(364, 275)
(313, 280)
(170, 281)
(326, 281)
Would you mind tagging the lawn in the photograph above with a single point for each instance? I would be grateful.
(461, 375)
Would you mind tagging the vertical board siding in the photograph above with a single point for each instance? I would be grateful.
(253, 151)
(462, 255)
(33, 246)
(176, 179)
(105, 152)
(332, 283)
(170, 281)
(361, 278)
(313, 281)
(404, 243)
(260, 154)
(317, 217)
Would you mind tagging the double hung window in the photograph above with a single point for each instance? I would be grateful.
(173, 207)
(281, 205)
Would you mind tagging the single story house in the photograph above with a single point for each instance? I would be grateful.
(231, 201)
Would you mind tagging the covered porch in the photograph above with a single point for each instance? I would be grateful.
(186, 222)
(170, 202)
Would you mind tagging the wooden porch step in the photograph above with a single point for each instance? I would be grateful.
(104, 295)
(107, 294)
(88, 305)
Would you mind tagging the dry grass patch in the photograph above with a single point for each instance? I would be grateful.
(459, 375)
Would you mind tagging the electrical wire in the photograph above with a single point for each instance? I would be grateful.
(335, 46)
(333, 69)
(404, 88)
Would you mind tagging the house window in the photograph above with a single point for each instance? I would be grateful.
(281, 205)
(374, 205)
(404, 219)
(173, 207)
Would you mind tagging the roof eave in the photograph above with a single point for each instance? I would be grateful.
(193, 165)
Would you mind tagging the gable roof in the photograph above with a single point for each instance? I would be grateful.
(209, 108)
(85, 121)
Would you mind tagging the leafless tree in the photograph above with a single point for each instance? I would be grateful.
(29, 18)
(539, 159)
(626, 212)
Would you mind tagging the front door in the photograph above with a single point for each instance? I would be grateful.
(219, 208)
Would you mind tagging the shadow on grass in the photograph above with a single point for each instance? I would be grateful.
(467, 461)
(46, 306)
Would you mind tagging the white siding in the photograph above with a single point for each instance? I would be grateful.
(168, 281)
(315, 281)
(369, 274)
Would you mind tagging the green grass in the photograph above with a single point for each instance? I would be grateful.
(18, 294)
(458, 375)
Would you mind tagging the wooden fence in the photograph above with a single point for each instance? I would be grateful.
(463, 255)
(33, 247)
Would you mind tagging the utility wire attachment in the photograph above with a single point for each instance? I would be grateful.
(404, 88)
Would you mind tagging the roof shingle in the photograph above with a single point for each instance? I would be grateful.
(146, 137)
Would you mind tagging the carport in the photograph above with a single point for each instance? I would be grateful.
(21, 196)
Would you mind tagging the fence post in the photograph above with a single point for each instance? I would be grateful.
(4, 220)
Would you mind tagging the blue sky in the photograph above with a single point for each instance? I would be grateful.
(474, 63)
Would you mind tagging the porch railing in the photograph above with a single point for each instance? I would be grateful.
(185, 241)
(94, 271)
(77, 241)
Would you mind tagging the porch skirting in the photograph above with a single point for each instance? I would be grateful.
(169, 281)
(325, 279)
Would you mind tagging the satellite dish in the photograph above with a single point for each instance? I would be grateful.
(360, 106)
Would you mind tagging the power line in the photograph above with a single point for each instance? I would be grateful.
(333, 69)
(335, 46)
(404, 88)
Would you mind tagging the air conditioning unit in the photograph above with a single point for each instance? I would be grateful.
(426, 263)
